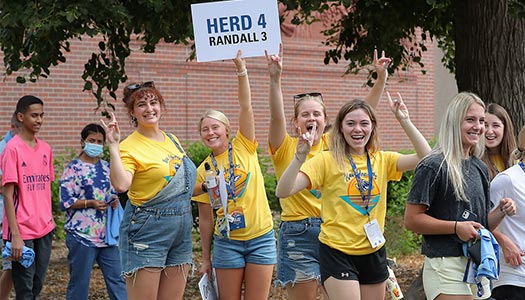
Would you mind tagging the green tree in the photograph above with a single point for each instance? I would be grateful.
(35, 35)
(483, 40)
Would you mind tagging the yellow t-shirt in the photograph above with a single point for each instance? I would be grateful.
(342, 208)
(249, 189)
(498, 162)
(152, 164)
(306, 203)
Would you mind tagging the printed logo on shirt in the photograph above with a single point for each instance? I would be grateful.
(45, 160)
(355, 199)
(174, 164)
(24, 164)
(36, 182)
(316, 193)
(240, 179)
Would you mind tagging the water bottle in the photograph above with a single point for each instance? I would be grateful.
(212, 185)
(392, 286)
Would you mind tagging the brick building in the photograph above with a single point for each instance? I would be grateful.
(190, 88)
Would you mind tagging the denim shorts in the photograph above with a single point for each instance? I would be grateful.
(157, 234)
(232, 254)
(298, 251)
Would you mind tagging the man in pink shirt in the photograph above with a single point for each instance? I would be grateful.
(27, 166)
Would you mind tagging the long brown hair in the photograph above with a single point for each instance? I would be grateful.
(508, 142)
(338, 145)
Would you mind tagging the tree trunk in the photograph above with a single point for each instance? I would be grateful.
(490, 54)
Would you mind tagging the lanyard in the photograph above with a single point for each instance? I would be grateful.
(522, 165)
(361, 184)
(231, 184)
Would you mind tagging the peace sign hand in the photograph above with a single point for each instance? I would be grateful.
(112, 129)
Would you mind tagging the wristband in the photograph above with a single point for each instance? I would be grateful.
(85, 204)
(455, 227)
(243, 73)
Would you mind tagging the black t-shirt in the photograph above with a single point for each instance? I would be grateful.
(432, 188)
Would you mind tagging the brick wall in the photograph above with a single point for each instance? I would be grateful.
(190, 88)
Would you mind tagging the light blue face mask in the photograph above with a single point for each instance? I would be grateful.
(93, 150)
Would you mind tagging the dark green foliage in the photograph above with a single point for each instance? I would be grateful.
(399, 240)
(35, 35)
(390, 25)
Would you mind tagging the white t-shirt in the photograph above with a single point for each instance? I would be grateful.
(511, 184)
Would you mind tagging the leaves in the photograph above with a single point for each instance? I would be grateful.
(36, 36)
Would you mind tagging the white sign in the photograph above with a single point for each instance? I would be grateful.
(208, 287)
(221, 28)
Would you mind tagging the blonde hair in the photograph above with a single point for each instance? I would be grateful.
(338, 145)
(450, 143)
(299, 102)
(519, 152)
(217, 115)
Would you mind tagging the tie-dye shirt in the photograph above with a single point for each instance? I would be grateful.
(81, 181)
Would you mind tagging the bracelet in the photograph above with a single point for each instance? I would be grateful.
(501, 209)
(455, 226)
(85, 204)
(297, 157)
(203, 187)
(243, 73)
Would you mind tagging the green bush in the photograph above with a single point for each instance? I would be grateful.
(399, 240)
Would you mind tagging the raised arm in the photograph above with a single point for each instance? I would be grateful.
(421, 146)
(277, 130)
(119, 177)
(381, 67)
(246, 121)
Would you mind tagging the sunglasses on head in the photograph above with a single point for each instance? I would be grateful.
(136, 86)
(313, 94)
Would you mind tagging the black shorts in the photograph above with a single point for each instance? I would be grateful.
(508, 292)
(367, 269)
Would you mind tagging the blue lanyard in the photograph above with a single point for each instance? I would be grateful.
(361, 184)
(522, 166)
(231, 184)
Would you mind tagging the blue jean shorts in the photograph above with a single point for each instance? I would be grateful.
(232, 254)
(298, 251)
(155, 238)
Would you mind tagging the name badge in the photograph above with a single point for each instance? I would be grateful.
(374, 234)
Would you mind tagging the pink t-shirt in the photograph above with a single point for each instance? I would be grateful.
(31, 169)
